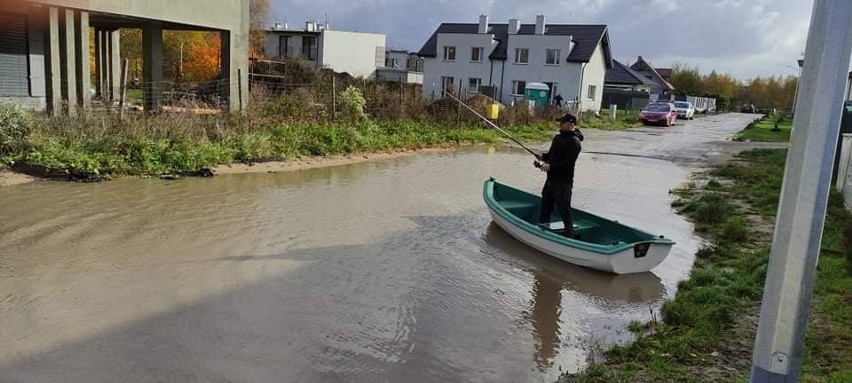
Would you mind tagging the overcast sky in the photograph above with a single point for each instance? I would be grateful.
(745, 38)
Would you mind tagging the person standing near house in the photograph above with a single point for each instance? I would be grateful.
(558, 100)
(559, 163)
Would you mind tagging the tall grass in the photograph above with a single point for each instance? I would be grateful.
(180, 143)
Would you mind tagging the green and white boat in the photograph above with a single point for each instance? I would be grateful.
(602, 244)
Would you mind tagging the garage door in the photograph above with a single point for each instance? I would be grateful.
(13, 55)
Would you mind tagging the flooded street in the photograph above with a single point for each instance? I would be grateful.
(380, 271)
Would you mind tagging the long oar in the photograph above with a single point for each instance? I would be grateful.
(493, 125)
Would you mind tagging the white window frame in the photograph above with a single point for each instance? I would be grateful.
(447, 50)
(476, 84)
(557, 56)
(593, 90)
(481, 51)
(516, 85)
(519, 56)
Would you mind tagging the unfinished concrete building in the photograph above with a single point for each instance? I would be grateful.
(45, 44)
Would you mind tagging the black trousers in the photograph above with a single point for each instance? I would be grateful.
(559, 194)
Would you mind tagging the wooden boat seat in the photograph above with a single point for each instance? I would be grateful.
(559, 226)
(513, 205)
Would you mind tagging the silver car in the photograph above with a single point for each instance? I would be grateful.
(685, 110)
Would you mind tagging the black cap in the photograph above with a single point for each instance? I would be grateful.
(568, 117)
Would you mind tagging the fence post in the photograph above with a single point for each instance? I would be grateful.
(239, 87)
(123, 89)
(333, 97)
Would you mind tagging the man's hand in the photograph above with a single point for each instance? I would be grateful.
(545, 167)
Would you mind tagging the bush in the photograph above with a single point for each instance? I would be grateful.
(15, 125)
(353, 103)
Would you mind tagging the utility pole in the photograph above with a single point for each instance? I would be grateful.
(804, 195)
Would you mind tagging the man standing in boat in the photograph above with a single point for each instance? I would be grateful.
(559, 162)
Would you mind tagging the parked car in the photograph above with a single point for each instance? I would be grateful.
(749, 108)
(685, 110)
(663, 113)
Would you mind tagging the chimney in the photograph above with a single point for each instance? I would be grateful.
(310, 26)
(278, 26)
(539, 25)
(483, 24)
(514, 26)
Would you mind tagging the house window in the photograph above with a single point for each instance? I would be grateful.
(593, 89)
(518, 87)
(393, 63)
(447, 85)
(473, 85)
(522, 55)
(553, 57)
(284, 46)
(449, 53)
(309, 48)
(476, 54)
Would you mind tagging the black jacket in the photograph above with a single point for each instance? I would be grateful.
(563, 153)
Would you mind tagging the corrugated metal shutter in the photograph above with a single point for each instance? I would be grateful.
(13, 55)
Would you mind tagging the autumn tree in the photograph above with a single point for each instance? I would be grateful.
(204, 58)
(130, 48)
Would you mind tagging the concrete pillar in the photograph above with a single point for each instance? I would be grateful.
(69, 61)
(36, 21)
(234, 70)
(152, 65)
(83, 61)
(99, 63)
(115, 63)
(107, 66)
(53, 67)
(225, 76)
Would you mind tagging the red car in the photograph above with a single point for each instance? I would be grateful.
(659, 113)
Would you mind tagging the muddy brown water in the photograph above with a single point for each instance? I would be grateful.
(380, 271)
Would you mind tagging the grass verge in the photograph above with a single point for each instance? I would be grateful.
(89, 147)
(707, 331)
(765, 130)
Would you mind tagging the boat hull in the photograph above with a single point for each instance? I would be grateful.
(620, 258)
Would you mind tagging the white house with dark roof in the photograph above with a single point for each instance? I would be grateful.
(662, 87)
(622, 77)
(572, 59)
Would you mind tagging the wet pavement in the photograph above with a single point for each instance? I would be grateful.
(380, 271)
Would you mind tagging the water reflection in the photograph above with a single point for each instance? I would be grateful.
(633, 288)
(551, 276)
(544, 315)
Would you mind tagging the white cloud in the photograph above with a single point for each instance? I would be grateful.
(744, 38)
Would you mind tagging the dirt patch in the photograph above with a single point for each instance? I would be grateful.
(9, 178)
(304, 163)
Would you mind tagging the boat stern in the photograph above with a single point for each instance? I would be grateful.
(642, 257)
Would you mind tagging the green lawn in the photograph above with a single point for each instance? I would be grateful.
(763, 131)
(134, 96)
